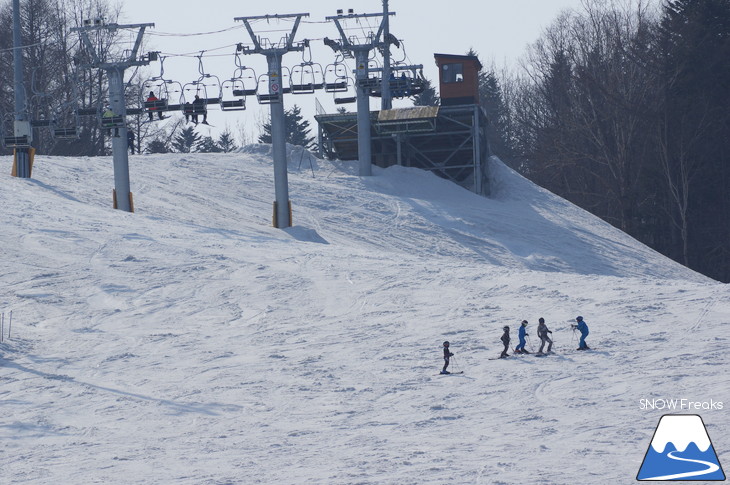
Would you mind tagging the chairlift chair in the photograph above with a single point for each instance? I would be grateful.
(62, 128)
(9, 138)
(158, 87)
(201, 90)
(231, 96)
(336, 79)
(263, 94)
(306, 78)
(248, 81)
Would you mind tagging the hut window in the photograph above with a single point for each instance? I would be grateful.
(452, 73)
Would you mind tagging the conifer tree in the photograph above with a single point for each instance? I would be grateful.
(296, 128)
(186, 141)
(226, 142)
(208, 145)
(428, 97)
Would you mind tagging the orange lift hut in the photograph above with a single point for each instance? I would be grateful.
(458, 79)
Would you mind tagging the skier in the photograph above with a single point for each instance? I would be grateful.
(520, 349)
(542, 332)
(151, 99)
(583, 328)
(505, 340)
(447, 354)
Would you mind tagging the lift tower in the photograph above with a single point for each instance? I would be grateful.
(275, 98)
(23, 135)
(115, 74)
(361, 51)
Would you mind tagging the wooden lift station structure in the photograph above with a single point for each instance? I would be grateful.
(449, 140)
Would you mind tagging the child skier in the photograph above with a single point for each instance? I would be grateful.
(520, 349)
(505, 340)
(583, 328)
(542, 332)
(447, 354)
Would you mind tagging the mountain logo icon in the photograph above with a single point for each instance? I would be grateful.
(681, 450)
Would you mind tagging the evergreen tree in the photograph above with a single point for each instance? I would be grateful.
(296, 128)
(208, 145)
(226, 142)
(428, 97)
(186, 141)
(491, 99)
(158, 145)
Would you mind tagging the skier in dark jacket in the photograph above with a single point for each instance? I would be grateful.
(520, 349)
(447, 354)
(542, 332)
(583, 328)
(505, 340)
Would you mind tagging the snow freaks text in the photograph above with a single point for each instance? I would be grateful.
(680, 405)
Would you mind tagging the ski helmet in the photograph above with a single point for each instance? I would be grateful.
(505, 328)
(542, 320)
(446, 344)
(524, 322)
(578, 319)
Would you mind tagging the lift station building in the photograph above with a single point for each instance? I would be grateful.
(449, 139)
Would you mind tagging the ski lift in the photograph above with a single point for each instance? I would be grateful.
(37, 101)
(200, 89)
(405, 81)
(246, 75)
(11, 137)
(200, 86)
(246, 82)
(336, 79)
(232, 97)
(66, 126)
(109, 119)
(373, 83)
(267, 92)
(306, 78)
(156, 91)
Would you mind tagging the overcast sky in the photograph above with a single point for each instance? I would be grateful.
(499, 31)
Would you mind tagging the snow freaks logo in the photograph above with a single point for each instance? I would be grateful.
(681, 450)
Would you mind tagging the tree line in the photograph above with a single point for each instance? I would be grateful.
(625, 111)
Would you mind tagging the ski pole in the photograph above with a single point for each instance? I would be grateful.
(2, 326)
(530, 342)
(10, 324)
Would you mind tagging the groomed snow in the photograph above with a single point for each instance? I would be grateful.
(192, 343)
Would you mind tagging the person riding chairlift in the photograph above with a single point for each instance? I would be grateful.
(151, 99)
(199, 107)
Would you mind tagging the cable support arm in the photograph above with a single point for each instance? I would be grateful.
(257, 40)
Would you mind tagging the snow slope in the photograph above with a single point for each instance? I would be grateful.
(191, 343)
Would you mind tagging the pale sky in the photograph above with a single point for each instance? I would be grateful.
(499, 31)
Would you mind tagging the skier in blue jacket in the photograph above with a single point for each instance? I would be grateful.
(520, 349)
(583, 328)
